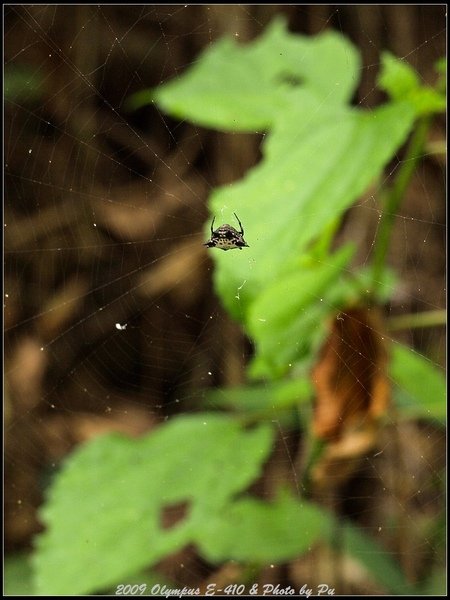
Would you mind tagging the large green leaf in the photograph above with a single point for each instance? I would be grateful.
(308, 178)
(421, 385)
(239, 87)
(103, 515)
(319, 154)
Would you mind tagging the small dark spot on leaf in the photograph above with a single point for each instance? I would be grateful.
(172, 514)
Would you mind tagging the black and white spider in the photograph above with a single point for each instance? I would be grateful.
(227, 237)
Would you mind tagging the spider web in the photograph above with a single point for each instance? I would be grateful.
(111, 319)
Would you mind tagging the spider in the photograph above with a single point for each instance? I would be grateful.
(227, 237)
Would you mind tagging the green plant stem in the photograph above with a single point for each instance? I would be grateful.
(431, 318)
(315, 451)
(394, 197)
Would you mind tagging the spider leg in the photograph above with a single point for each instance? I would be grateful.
(240, 224)
(212, 225)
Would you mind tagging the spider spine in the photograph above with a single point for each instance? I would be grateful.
(240, 224)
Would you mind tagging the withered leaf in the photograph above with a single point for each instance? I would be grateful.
(352, 388)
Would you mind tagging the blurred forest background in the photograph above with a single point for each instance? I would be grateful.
(104, 214)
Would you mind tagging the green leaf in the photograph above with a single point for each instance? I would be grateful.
(251, 530)
(104, 511)
(289, 316)
(397, 78)
(237, 87)
(422, 386)
(427, 100)
(271, 400)
(308, 178)
(319, 156)
(402, 83)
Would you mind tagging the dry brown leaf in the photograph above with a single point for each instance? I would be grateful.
(352, 387)
(352, 391)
